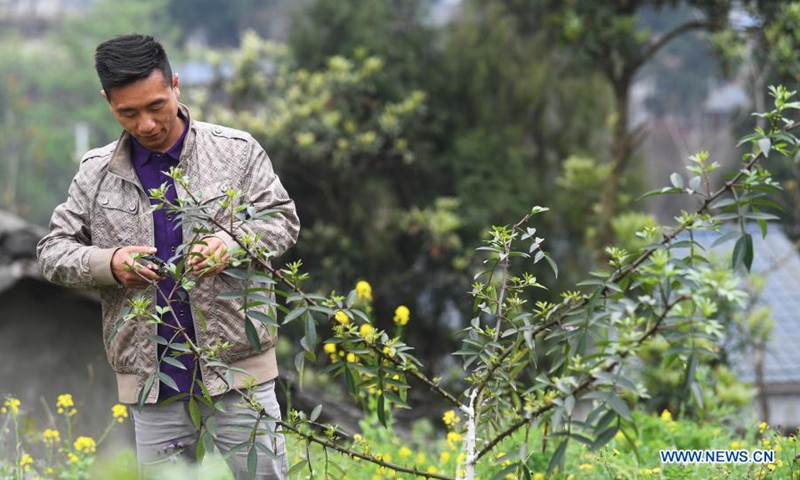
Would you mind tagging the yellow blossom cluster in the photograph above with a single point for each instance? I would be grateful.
(11, 405)
(402, 315)
(762, 427)
(364, 290)
(450, 418)
(367, 332)
(454, 438)
(85, 445)
(51, 437)
(650, 471)
(66, 405)
(342, 318)
(120, 412)
(25, 462)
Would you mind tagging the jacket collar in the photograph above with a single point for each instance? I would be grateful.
(121, 163)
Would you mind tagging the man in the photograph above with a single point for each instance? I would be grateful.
(106, 220)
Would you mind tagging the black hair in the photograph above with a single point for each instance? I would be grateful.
(129, 58)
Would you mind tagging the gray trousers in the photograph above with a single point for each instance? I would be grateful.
(165, 434)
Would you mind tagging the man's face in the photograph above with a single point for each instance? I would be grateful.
(148, 110)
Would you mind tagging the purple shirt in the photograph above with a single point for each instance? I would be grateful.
(150, 167)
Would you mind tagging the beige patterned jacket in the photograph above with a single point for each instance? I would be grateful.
(107, 209)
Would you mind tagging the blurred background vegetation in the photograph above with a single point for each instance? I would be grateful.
(404, 128)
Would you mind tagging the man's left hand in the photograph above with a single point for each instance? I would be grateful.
(214, 251)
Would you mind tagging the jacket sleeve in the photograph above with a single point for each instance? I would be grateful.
(263, 189)
(66, 255)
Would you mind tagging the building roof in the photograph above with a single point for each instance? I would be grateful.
(776, 259)
(18, 240)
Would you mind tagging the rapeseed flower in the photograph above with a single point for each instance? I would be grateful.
(404, 452)
(51, 436)
(66, 405)
(450, 418)
(85, 445)
(366, 331)
(25, 462)
(11, 405)
(120, 412)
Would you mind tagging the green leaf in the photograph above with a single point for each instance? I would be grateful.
(315, 413)
(743, 252)
(619, 406)
(262, 317)
(604, 437)
(211, 425)
(677, 180)
(349, 380)
(174, 362)
(194, 412)
(252, 335)
(764, 145)
(505, 471)
(168, 381)
(158, 339)
(145, 391)
(296, 468)
(382, 410)
(557, 460)
(311, 331)
(252, 461)
(294, 314)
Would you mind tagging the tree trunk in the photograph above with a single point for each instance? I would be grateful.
(620, 156)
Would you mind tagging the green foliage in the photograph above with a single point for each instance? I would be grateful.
(47, 87)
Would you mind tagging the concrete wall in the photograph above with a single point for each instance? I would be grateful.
(51, 343)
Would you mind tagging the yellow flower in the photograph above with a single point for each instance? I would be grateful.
(619, 435)
(73, 458)
(12, 405)
(364, 290)
(450, 418)
(358, 437)
(453, 438)
(432, 469)
(444, 457)
(351, 357)
(401, 315)
(420, 458)
(538, 476)
(342, 317)
(387, 350)
(461, 458)
(655, 470)
(666, 415)
(586, 466)
(51, 436)
(762, 427)
(734, 445)
(405, 452)
(329, 348)
(25, 462)
(366, 332)
(120, 412)
(66, 405)
(85, 445)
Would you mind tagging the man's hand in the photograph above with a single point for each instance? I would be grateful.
(130, 273)
(202, 256)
